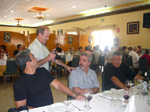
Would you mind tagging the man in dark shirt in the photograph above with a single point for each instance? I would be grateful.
(116, 73)
(19, 48)
(32, 88)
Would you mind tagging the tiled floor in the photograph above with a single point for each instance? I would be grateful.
(7, 98)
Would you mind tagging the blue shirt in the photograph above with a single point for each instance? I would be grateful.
(78, 78)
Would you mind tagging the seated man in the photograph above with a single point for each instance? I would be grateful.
(32, 89)
(83, 78)
(116, 73)
(19, 48)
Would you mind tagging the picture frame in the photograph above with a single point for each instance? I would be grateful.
(7, 37)
(70, 39)
(133, 27)
(89, 39)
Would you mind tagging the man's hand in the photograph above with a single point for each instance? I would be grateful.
(70, 68)
(80, 98)
(51, 56)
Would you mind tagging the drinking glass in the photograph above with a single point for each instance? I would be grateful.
(126, 96)
(88, 95)
(128, 84)
(112, 101)
(118, 100)
(67, 103)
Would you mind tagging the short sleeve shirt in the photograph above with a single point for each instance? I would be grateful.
(34, 88)
(40, 52)
(122, 73)
(78, 78)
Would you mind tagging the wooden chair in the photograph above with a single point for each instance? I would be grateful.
(11, 70)
(143, 64)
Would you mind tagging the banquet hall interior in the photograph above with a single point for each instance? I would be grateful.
(86, 22)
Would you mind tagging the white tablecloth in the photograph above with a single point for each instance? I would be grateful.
(2, 62)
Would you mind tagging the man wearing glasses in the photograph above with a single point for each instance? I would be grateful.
(115, 73)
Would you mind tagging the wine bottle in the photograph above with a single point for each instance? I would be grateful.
(146, 79)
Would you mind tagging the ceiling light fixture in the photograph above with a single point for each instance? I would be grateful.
(18, 19)
(39, 16)
(39, 10)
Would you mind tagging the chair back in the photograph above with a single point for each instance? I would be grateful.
(103, 82)
(101, 61)
(11, 68)
(75, 62)
(129, 62)
(143, 64)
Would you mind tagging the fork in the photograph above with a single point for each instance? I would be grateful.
(76, 107)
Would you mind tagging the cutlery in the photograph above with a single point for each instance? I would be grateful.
(76, 107)
(104, 97)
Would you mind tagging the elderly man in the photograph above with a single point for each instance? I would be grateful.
(37, 47)
(116, 73)
(32, 89)
(83, 78)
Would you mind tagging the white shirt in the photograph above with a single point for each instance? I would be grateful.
(39, 51)
(135, 59)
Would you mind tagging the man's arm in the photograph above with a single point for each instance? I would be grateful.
(138, 77)
(64, 65)
(58, 85)
(21, 103)
(82, 91)
(117, 82)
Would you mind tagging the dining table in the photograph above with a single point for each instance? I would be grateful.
(99, 103)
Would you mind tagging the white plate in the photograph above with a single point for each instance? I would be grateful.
(57, 107)
(107, 93)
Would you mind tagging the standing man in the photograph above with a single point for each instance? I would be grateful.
(32, 88)
(83, 78)
(37, 47)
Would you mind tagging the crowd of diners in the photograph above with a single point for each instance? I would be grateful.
(32, 88)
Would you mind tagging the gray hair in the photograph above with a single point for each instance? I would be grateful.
(116, 53)
(87, 55)
(41, 30)
(22, 58)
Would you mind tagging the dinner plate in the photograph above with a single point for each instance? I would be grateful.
(57, 107)
(107, 93)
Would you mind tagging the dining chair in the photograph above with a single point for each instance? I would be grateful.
(103, 82)
(75, 62)
(129, 62)
(143, 64)
(101, 62)
(11, 70)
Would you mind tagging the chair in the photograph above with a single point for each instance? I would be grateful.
(129, 62)
(103, 82)
(143, 64)
(58, 68)
(75, 62)
(11, 70)
(101, 62)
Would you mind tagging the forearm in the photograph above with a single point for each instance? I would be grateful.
(78, 90)
(138, 77)
(95, 90)
(60, 63)
(117, 82)
(43, 61)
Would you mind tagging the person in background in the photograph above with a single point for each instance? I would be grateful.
(96, 54)
(37, 47)
(139, 51)
(59, 51)
(135, 59)
(124, 54)
(99, 48)
(19, 48)
(147, 56)
(90, 48)
(32, 88)
(129, 49)
(57, 45)
(80, 51)
(3, 51)
(71, 50)
(83, 78)
(116, 73)
(86, 50)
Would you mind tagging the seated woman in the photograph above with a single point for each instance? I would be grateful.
(71, 50)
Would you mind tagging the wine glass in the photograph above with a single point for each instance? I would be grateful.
(67, 103)
(112, 101)
(128, 84)
(88, 95)
(126, 96)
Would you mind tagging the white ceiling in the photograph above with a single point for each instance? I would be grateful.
(58, 9)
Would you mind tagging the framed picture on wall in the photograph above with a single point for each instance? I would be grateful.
(89, 39)
(133, 27)
(60, 32)
(7, 37)
(70, 39)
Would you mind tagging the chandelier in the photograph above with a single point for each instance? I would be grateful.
(39, 16)
(18, 19)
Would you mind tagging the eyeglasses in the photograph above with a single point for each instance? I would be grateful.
(117, 59)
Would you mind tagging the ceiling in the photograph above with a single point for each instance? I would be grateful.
(59, 10)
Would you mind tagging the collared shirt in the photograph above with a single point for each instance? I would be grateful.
(135, 59)
(39, 51)
(78, 78)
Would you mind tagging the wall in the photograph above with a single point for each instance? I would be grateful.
(120, 21)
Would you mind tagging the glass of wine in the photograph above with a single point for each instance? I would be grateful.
(67, 103)
(88, 95)
(128, 83)
(126, 96)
